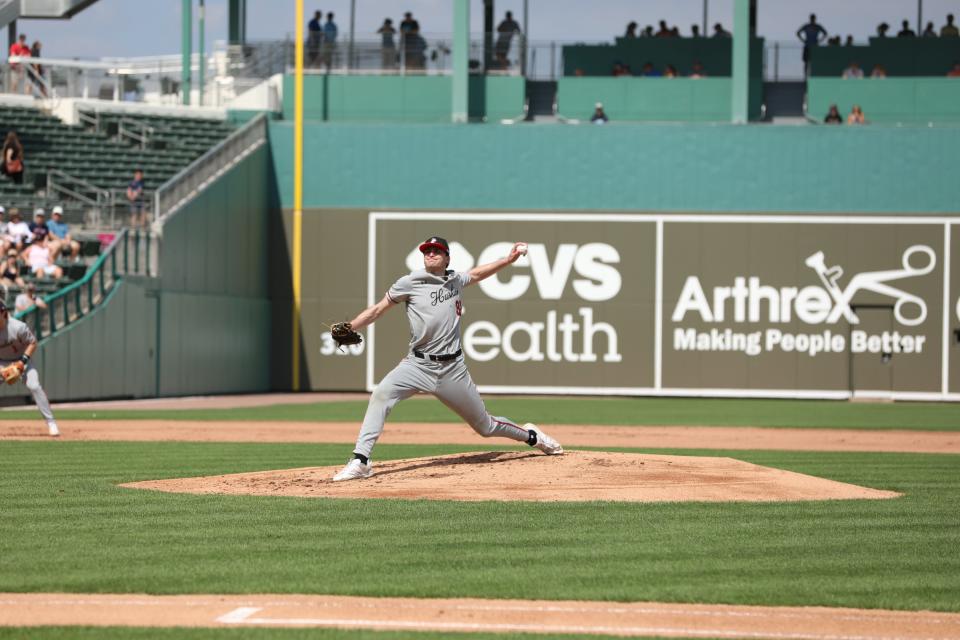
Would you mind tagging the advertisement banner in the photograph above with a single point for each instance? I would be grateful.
(722, 305)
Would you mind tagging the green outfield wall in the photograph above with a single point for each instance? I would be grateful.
(397, 98)
(625, 167)
(890, 100)
(715, 54)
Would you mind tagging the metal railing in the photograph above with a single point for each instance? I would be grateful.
(61, 183)
(127, 254)
(184, 185)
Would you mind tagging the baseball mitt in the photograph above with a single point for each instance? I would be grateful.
(344, 335)
(12, 372)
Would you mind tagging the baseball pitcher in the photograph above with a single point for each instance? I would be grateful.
(433, 300)
(17, 344)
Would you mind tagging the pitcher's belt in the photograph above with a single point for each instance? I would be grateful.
(438, 358)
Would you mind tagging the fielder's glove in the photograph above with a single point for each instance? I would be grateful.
(12, 372)
(344, 335)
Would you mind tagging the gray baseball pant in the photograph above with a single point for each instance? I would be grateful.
(450, 382)
(32, 379)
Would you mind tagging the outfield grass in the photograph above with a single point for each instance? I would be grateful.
(65, 526)
(601, 411)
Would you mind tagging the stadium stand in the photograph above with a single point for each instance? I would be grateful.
(98, 155)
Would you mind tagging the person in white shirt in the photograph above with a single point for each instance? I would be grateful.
(18, 231)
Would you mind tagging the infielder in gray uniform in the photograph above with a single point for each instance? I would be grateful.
(17, 344)
(433, 299)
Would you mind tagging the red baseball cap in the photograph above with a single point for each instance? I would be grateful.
(437, 242)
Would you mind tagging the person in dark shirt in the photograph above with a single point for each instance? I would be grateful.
(833, 116)
(138, 215)
(906, 31)
(631, 31)
(599, 115)
(315, 38)
(811, 35)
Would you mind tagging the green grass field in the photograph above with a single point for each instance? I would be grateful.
(589, 410)
(66, 526)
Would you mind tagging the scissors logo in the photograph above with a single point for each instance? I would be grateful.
(909, 310)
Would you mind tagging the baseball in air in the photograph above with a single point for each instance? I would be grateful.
(522, 248)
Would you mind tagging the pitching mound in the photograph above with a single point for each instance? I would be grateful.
(529, 476)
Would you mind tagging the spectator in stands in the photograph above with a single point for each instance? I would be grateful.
(314, 38)
(135, 198)
(853, 72)
(949, 30)
(954, 71)
(930, 31)
(664, 31)
(670, 71)
(10, 274)
(811, 35)
(834, 41)
(647, 32)
(879, 71)
(505, 32)
(619, 70)
(19, 48)
(5, 243)
(694, 31)
(18, 231)
(848, 42)
(647, 71)
(856, 116)
(882, 30)
(40, 259)
(39, 229)
(906, 31)
(697, 70)
(409, 39)
(329, 40)
(599, 115)
(60, 232)
(13, 158)
(631, 31)
(720, 32)
(833, 116)
(35, 52)
(28, 298)
(388, 50)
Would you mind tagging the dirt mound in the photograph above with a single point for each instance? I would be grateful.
(529, 476)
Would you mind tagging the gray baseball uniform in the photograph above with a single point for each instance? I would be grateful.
(434, 308)
(14, 339)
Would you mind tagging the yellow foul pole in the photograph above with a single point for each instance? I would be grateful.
(297, 191)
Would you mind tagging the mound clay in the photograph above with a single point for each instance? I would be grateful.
(529, 476)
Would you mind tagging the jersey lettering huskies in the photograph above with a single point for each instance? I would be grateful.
(434, 307)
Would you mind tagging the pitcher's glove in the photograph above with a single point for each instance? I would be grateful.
(12, 372)
(344, 335)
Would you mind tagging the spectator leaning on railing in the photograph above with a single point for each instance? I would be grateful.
(22, 49)
(388, 48)
(28, 298)
(833, 116)
(856, 116)
(138, 216)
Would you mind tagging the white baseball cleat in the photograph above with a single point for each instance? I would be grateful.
(54, 431)
(544, 442)
(355, 470)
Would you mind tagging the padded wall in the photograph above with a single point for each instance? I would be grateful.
(906, 100)
(629, 167)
